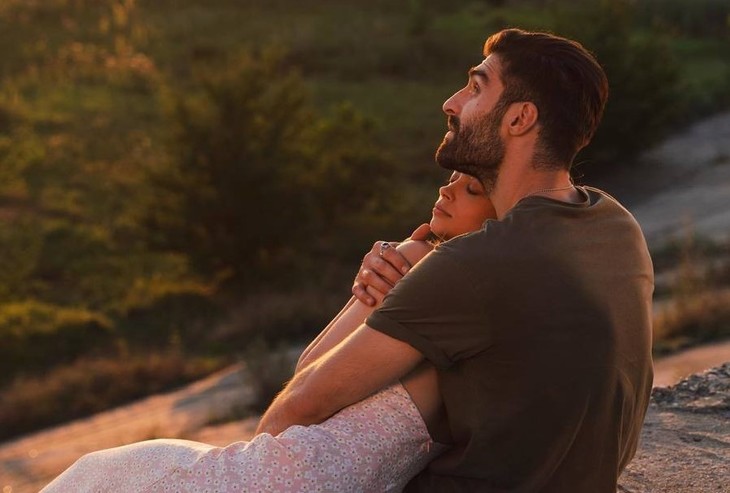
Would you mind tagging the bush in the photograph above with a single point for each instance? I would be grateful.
(268, 369)
(643, 74)
(21, 242)
(91, 385)
(698, 18)
(692, 320)
(36, 336)
(158, 312)
(257, 180)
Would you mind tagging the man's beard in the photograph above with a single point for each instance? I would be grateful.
(476, 150)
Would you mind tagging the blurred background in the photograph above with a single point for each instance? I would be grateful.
(185, 184)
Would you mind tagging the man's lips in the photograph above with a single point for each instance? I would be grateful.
(453, 124)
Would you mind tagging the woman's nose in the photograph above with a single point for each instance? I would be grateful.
(446, 192)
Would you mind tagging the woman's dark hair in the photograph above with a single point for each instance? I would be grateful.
(562, 79)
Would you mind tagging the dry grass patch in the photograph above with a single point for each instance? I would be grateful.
(92, 385)
(692, 319)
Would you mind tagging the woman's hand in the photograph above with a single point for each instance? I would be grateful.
(382, 267)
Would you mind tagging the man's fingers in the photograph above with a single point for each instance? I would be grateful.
(377, 295)
(376, 280)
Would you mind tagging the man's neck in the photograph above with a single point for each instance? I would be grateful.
(516, 182)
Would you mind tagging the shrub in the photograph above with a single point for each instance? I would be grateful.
(255, 172)
(692, 320)
(643, 75)
(697, 18)
(36, 336)
(21, 242)
(268, 369)
(91, 385)
(157, 312)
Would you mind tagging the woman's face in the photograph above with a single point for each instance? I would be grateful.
(462, 207)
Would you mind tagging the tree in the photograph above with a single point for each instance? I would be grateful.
(644, 78)
(256, 178)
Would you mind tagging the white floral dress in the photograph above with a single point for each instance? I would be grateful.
(376, 445)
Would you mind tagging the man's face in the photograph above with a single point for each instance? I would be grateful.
(473, 144)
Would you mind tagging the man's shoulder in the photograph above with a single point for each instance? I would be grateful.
(477, 244)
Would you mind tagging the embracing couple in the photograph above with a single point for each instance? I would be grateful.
(514, 356)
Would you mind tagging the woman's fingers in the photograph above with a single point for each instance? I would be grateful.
(391, 265)
(381, 268)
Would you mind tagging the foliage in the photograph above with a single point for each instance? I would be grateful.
(700, 18)
(254, 169)
(158, 312)
(268, 369)
(643, 103)
(36, 335)
(692, 320)
(21, 246)
(693, 292)
(92, 385)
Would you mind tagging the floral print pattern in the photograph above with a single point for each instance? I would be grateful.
(375, 445)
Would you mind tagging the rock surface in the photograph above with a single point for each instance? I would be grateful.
(685, 443)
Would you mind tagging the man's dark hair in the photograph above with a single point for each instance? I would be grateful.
(562, 79)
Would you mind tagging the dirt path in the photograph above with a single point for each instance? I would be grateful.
(682, 184)
(670, 369)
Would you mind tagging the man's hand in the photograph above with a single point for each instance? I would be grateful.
(382, 268)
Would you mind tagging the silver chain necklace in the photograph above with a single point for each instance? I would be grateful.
(546, 190)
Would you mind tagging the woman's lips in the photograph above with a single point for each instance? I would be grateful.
(438, 211)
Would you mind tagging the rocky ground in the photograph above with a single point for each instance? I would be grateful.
(681, 186)
(685, 443)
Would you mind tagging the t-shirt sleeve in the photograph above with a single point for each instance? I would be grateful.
(436, 309)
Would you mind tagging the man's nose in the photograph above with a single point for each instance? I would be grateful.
(452, 106)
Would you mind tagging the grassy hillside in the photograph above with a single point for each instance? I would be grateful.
(142, 140)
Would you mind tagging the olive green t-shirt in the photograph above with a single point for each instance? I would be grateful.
(539, 326)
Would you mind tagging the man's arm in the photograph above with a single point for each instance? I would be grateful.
(360, 365)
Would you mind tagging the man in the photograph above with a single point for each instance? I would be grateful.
(539, 325)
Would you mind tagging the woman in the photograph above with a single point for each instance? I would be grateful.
(376, 445)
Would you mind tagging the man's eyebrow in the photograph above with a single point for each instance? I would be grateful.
(478, 72)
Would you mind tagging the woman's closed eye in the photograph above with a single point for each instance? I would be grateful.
(475, 188)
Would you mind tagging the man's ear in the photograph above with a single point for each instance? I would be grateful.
(521, 118)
